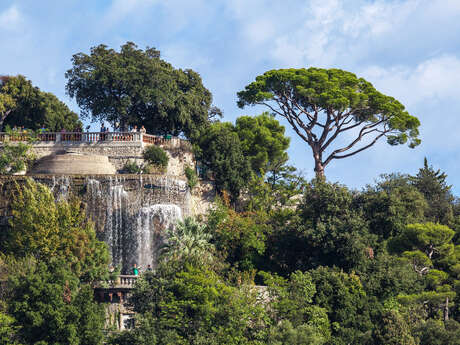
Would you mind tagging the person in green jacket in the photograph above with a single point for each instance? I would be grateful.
(135, 270)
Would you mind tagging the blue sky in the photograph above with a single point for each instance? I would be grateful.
(409, 49)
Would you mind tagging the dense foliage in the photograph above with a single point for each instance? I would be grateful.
(48, 261)
(135, 86)
(22, 104)
(333, 267)
(15, 158)
(254, 146)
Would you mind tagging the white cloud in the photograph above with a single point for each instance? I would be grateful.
(435, 79)
(11, 18)
(121, 9)
(377, 18)
(331, 31)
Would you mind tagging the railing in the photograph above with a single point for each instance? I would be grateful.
(123, 281)
(127, 280)
(153, 139)
(87, 137)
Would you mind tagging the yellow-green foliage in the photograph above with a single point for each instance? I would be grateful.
(45, 229)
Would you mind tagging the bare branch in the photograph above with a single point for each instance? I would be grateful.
(334, 156)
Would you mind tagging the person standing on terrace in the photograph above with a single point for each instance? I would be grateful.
(143, 130)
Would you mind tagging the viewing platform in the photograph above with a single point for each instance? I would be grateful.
(90, 138)
(118, 147)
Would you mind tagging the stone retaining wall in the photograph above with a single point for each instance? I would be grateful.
(119, 153)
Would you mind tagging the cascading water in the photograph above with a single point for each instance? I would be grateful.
(61, 187)
(132, 215)
(152, 223)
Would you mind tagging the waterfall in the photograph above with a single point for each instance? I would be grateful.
(152, 223)
(132, 215)
(61, 187)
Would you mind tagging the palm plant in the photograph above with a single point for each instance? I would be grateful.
(188, 242)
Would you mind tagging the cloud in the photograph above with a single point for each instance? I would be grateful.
(378, 18)
(334, 31)
(11, 19)
(121, 9)
(433, 80)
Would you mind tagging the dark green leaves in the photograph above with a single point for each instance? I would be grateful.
(134, 87)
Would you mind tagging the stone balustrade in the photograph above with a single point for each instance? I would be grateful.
(124, 281)
(87, 137)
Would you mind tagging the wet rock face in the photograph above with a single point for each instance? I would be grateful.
(131, 212)
(132, 216)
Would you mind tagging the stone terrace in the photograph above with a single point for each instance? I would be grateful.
(119, 147)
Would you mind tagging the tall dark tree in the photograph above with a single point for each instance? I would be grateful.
(432, 184)
(391, 204)
(325, 106)
(22, 104)
(219, 149)
(135, 86)
(332, 231)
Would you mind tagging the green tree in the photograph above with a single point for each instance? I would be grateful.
(8, 331)
(7, 100)
(262, 141)
(219, 149)
(432, 184)
(394, 330)
(435, 332)
(386, 276)
(391, 205)
(239, 237)
(134, 86)
(433, 240)
(50, 307)
(196, 306)
(156, 156)
(346, 303)
(332, 231)
(15, 158)
(291, 300)
(45, 229)
(324, 106)
(33, 108)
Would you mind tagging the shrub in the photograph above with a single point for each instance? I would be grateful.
(192, 178)
(131, 167)
(156, 156)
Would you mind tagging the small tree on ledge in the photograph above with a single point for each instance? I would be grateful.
(322, 105)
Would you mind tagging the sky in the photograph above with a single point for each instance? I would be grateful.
(408, 49)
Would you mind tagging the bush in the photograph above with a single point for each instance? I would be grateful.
(156, 156)
(192, 178)
(131, 167)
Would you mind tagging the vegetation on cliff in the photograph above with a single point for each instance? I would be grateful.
(49, 259)
(337, 267)
(22, 104)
